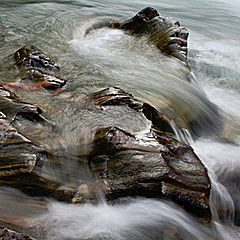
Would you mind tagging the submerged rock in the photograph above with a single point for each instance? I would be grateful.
(171, 39)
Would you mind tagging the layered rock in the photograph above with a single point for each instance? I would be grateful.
(164, 33)
(147, 163)
(131, 150)
(36, 70)
(124, 161)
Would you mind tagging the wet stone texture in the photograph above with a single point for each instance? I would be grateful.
(164, 33)
(148, 163)
(122, 159)
(36, 70)
(7, 234)
(31, 57)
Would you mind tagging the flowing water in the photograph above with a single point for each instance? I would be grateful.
(107, 57)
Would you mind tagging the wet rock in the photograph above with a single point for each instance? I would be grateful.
(22, 161)
(7, 234)
(47, 81)
(15, 109)
(31, 57)
(151, 165)
(171, 38)
(122, 159)
(35, 70)
(164, 33)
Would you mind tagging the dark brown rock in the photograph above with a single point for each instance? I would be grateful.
(31, 57)
(147, 163)
(124, 161)
(153, 165)
(164, 33)
(35, 70)
(40, 78)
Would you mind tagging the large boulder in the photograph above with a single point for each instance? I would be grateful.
(122, 159)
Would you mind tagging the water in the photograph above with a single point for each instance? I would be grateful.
(111, 58)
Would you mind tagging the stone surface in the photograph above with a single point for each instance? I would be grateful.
(123, 160)
(164, 33)
(150, 163)
(35, 70)
(31, 57)
(7, 234)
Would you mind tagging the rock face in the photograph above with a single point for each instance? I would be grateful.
(36, 70)
(131, 151)
(123, 162)
(147, 163)
(164, 33)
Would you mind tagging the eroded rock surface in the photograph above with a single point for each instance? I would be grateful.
(36, 70)
(127, 147)
(31, 57)
(164, 33)
(123, 161)
(149, 163)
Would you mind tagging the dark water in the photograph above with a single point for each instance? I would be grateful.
(110, 58)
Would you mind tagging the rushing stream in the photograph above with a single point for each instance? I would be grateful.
(107, 57)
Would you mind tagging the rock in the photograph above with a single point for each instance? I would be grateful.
(7, 234)
(40, 79)
(36, 70)
(22, 161)
(164, 33)
(171, 38)
(14, 108)
(150, 163)
(122, 159)
(31, 57)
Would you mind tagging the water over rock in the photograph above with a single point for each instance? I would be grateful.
(36, 70)
(123, 161)
(128, 149)
(164, 33)
(167, 35)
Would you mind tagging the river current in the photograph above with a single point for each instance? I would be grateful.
(109, 57)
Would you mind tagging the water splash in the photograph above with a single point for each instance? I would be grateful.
(130, 219)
